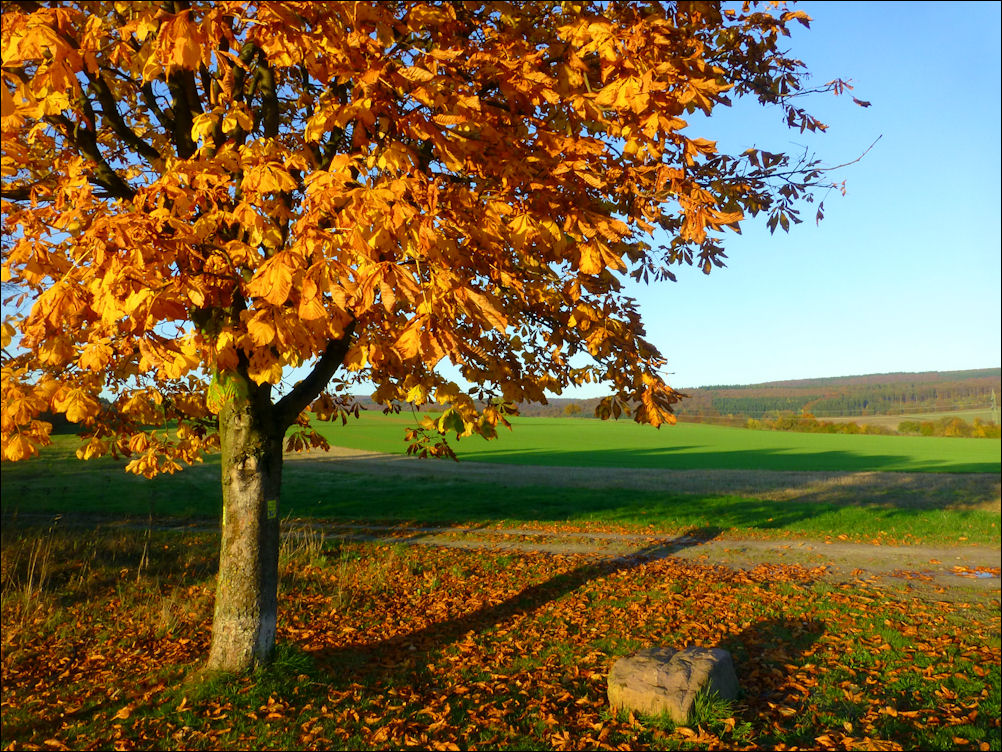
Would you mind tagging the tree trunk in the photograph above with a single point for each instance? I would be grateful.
(243, 627)
(251, 432)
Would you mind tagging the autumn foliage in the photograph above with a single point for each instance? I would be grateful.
(196, 189)
(199, 197)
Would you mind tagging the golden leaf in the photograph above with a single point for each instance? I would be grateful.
(408, 344)
(202, 126)
(311, 306)
(273, 281)
(417, 394)
(268, 178)
(96, 356)
(261, 330)
(591, 259)
(264, 367)
(416, 75)
(93, 448)
(18, 448)
(7, 330)
(76, 403)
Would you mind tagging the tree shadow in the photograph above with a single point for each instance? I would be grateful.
(379, 660)
(763, 652)
(683, 457)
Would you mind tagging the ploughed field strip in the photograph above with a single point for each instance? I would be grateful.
(970, 569)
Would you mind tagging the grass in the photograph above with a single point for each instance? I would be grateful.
(393, 646)
(505, 652)
(585, 442)
(104, 633)
(312, 492)
(57, 483)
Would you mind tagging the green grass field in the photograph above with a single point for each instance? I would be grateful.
(58, 483)
(583, 442)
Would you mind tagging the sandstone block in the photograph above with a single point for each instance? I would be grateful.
(660, 679)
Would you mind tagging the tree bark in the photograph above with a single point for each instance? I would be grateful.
(252, 432)
(246, 610)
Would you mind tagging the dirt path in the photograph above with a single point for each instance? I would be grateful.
(944, 572)
(938, 572)
(955, 572)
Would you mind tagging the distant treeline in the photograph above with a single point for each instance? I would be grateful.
(951, 427)
(883, 394)
(844, 396)
(849, 396)
(942, 427)
(804, 404)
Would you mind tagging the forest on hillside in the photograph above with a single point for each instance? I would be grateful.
(849, 396)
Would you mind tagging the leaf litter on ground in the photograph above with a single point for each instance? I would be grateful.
(390, 646)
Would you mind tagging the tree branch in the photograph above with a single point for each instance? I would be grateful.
(17, 193)
(291, 405)
(85, 142)
(109, 109)
(269, 98)
(183, 111)
(166, 121)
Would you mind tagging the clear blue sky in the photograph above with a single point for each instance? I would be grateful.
(903, 274)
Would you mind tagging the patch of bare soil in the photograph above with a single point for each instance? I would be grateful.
(908, 490)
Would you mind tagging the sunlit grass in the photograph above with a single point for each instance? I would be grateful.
(582, 442)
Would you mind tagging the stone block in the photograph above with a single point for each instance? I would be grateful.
(660, 679)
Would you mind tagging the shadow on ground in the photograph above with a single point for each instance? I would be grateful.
(382, 659)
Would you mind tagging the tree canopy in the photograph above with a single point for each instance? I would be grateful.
(195, 189)
(199, 197)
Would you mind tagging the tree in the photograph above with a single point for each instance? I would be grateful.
(198, 197)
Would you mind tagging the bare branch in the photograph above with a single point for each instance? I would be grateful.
(291, 405)
(857, 159)
(109, 109)
(17, 193)
(84, 141)
(151, 101)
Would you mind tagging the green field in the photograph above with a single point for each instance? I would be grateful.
(583, 442)
(58, 483)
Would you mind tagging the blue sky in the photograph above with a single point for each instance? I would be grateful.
(903, 273)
